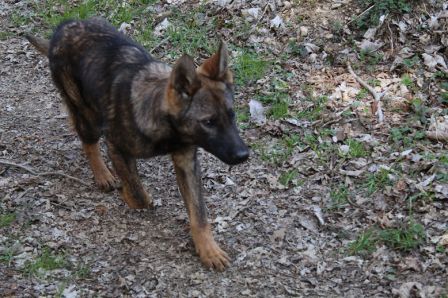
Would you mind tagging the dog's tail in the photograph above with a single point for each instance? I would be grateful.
(41, 44)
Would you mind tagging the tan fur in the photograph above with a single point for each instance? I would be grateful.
(41, 44)
(103, 177)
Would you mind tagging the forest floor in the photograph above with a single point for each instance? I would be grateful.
(342, 196)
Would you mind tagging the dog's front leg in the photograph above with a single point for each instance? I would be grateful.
(133, 192)
(188, 175)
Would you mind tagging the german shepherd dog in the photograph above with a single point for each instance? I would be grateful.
(144, 107)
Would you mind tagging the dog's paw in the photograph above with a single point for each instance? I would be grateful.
(106, 181)
(212, 256)
(137, 199)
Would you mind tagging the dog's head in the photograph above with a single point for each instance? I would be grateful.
(200, 100)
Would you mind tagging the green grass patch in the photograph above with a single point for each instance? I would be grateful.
(83, 271)
(315, 111)
(7, 255)
(6, 219)
(286, 178)
(356, 149)
(370, 59)
(405, 137)
(291, 141)
(279, 151)
(46, 261)
(242, 115)
(188, 32)
(363, 93)
(407, 81)
(380, 7)
(365, 243)
(146, 37)
(411, 62)
(420, 110)
(18, 19)
(249, 67)
(441, 249)
(336, 27)
(405, 238)
(377, 181)
(54, 12)
(324, 150)
(274, 154)
(339, 197)
(443, 98)
(279, 109)
(296, 49)
(311, 140)
(278, 102)
(5, 35)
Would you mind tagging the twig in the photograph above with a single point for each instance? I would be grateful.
(8, 163)
(262, 15)
(158, 45)
(360, 15)
(33, 172)
(353, 203)
(60, 205)
(23, 194)
(376, 96)
(391, 38)
(437, 136)
(333, 121)
(254, 27)
(64, 175)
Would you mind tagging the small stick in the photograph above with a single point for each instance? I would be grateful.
(376, 96)
(8, 163)
(158, 45)
(33, 172)
(360, 15)
(23, 194)
(391, 39)
(437, 136)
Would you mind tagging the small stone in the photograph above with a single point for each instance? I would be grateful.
(276, 22)
(303, 31)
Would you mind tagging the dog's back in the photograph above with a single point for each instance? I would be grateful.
(91, 53)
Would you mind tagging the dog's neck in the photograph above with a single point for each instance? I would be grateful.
(148, 95)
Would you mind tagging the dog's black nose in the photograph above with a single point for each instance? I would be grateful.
(240, 155)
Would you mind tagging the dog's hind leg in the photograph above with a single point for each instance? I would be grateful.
(90, 133)
(86, 124)
(132, 190)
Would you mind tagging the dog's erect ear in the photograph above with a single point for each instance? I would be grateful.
(217, 66)
(184, 78)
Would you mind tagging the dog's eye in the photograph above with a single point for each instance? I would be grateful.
(232, 115)
(209, 122)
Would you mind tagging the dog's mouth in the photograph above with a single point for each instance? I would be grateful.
(236, 157)
(228, 147)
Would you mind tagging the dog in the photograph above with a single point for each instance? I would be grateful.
(143, 107)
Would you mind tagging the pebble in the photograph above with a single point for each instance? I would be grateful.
(303, 31)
